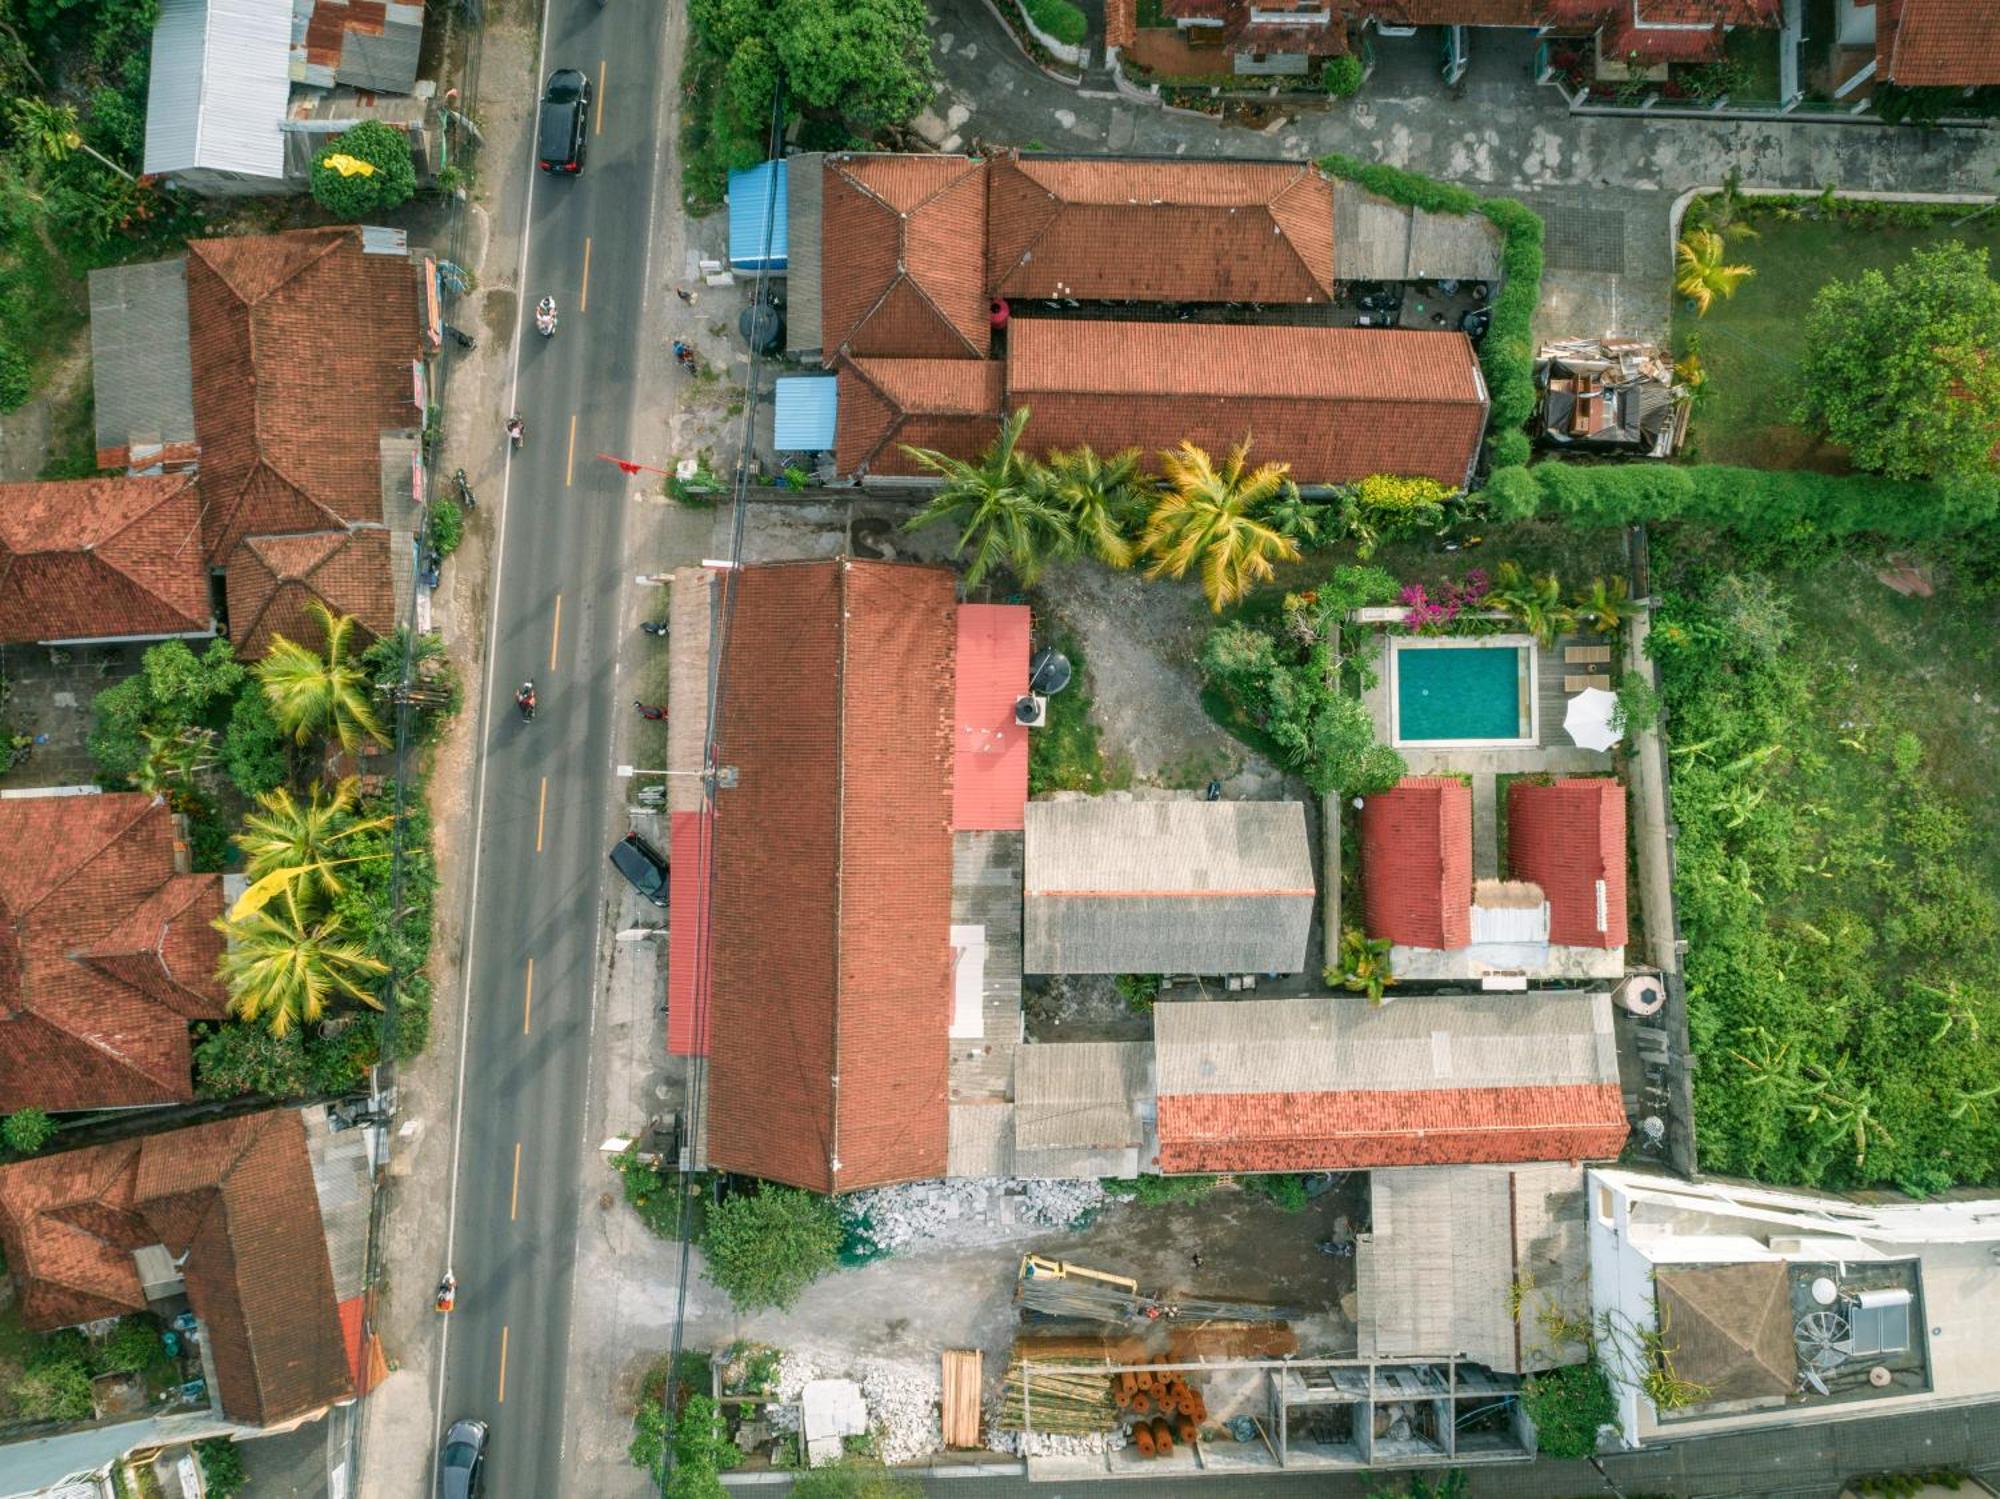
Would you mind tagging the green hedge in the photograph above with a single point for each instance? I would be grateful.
(1753, 503)
(1507, 354)
(1059, 19)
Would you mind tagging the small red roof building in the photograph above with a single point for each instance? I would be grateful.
(1416, 862)
(1569, 838)
(103, 559)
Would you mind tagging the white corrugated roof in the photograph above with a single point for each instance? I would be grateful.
(221, 82)
(1105, 846)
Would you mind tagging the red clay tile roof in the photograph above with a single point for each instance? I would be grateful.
(235, 1197)
(106, 954)
(1453, 12)
(832, 896)
(93, 558)
(1567, 838)
(989, 785)
(952, 406)
(1363, 1130)
(272, 579)
(1416, 862)
(1938, 43)
(903, 239)
(1655, 44)
(1121, 22)
(1154, 231)
(689, 847)
(1337, 404)
(302, 348)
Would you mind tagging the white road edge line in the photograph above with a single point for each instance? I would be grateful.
(479, 788)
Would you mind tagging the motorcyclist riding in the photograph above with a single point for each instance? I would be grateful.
(525, 700)
(516, 430)
(545, 316)
(447, 1292)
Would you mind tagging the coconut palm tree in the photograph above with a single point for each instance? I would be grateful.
(1364, 966)
(1534, 603)
(1604, 606)
(284, 963)
(311, 693)
(1211, 516)
(1001, 505)
(49, 130)
(1700, 274)
(289, 846)
(1099, 497)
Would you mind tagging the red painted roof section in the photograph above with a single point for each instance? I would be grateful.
(989, 785)
(1416, 862)
(353, 1321)
(688, 848)
(832, 894)
(106, 954)
(951, 406)
(1099, 228)
(1337, 404)
(1938, 43)
(236, 1198)
(1362, 1130)
(84, 559)
(1566, 837)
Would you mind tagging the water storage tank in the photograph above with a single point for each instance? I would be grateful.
(1642, 994)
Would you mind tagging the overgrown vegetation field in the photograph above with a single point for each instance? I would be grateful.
(1833, 750)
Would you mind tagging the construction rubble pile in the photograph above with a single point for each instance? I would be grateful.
(966, 1211)
(902, 1406)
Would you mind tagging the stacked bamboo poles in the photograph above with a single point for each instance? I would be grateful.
(1058, 1398)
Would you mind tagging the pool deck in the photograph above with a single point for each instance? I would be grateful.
(1551, 754)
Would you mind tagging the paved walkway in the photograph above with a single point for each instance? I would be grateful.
(1605, 184)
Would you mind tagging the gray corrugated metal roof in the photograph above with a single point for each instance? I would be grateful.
(401, 514)
(1167, 886)
(220, 82)
(341, 1175)
(1327, 1045)
(140, 368)
(981, 1140)
(1377, 240)
(1081, 1094)
(1453, 246)
(802, 200)
(382, 64)
(1448, 1243)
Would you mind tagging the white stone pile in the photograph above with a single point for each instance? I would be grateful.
(1061, 1204)
(916, 1212)
(902, 1412)
(794, 1374)
(1052, 1444)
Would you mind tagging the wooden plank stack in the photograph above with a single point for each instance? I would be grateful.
(960, 1405)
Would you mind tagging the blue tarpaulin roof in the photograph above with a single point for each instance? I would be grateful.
(807, 408)
(749, 207)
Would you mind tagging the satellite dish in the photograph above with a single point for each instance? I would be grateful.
(1824, 1291)
(1048, 672)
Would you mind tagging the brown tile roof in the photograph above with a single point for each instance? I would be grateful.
(106, 954)
(89, 558)
(1453, 12)
(1938, 43)
(235, 1197)
(1653, 44)
(903, 238)
(1121, 22)
(1416, 862)
(1337, 404)
(302, 349)
(1098, 229)
(1569, 838)
(1363, 1130)
(272, 579)
(950, 405)
(831, 909)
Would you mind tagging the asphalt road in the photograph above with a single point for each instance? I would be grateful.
(544, 795)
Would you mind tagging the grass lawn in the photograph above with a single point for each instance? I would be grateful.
(1751, 345)
(1754, 53)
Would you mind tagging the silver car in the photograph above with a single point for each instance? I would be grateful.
(462, 1465)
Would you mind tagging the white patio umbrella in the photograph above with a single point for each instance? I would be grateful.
(1587, 721)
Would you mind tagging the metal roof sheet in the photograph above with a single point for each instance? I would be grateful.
(753, 217)
(139, 354)
(808, 412)
(221, 80)
(1081, 1094)
(802, 305)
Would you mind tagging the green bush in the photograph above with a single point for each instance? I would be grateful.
(232, 1058)
(391, 182)
(652, 1193)
(1511, 449)
(55, 1384)
(447, 525)
(1567, 1406)
(1153, 1190)
(1341, 77)
(253, 746)
(701, 1446)
(1761, 504)
(132, 1347)
(27, 1130)
(176, 696)
(1138, 990)
(854, 1478)
(221, 1468)
(1284, 1190)
(1638, 704)
(15, 384)
(765, 1247)
(1507, 354)
(1059, 19)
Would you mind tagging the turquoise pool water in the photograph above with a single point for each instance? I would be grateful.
(1461, 692)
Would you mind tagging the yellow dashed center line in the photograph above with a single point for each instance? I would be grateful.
(555, 636)
(541, 814)
(528, 1004)
(583, 296)
(503, 1368)
(514, 1198)
(569, 463)
(598, 128)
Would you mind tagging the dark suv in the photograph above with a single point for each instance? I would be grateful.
(642, 864)
(565, 122)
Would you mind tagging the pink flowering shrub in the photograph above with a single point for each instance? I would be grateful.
(1433, 616)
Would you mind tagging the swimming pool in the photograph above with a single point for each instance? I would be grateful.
(1463, 692)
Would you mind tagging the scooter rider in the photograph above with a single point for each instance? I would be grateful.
(525, 700)
(545, 316)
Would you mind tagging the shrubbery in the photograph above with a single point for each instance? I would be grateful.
(221, 1468)
(15, 385)
(54, 1385)
(364, 170)
(1567, 1407)
(1059, 19)
(1341, 77)
(699, 1439)
(27, 1130)
(764, 1247)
